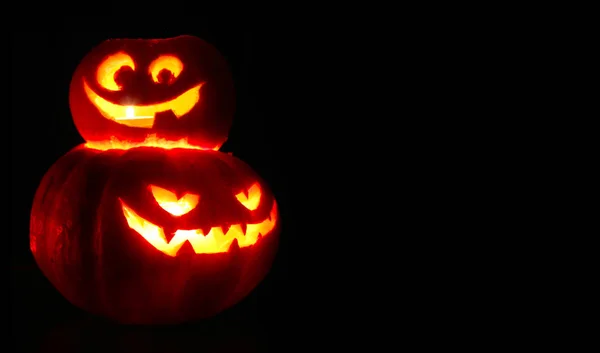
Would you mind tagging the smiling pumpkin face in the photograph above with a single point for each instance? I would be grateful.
(153, 235)
(133, 89)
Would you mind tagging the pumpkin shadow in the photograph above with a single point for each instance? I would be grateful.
(223, 333)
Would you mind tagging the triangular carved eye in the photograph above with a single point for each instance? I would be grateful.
(250, 198)
(169, 202)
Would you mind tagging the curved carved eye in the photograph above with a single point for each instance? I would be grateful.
(169, 202)
(165, 69)
(108, 69)
(250, 198)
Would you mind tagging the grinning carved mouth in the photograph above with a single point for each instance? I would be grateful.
(217, 240)
(143, 115)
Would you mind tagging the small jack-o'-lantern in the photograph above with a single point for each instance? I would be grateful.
(153, 235)
(130, 89)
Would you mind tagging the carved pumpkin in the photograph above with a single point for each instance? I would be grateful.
(126, 90)
(144, 223)
(153, 235)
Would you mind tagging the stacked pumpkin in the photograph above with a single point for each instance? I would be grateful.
(147, 222)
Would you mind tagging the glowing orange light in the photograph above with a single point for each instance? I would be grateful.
(165, 62)
(251, 200)
(216, 241)
(169, 202)
(143, 115)
(105, 75)
(150, 141)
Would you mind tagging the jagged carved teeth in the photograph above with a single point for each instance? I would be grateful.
(215, 240)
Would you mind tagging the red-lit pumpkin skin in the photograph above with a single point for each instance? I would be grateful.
(175, 88)
(83, 242)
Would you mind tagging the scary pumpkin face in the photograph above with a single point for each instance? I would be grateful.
(206, 240)
(153, 235)
(208, 210)
(176, 88)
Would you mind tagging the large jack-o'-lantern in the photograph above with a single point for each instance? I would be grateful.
(157, 230)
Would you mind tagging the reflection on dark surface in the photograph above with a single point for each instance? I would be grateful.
(43, 321)
(86, 335)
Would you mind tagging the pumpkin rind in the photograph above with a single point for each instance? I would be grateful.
(81, 240)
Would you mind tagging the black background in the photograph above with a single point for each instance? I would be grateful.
(304, 122)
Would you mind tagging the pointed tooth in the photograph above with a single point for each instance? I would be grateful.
(234, 247)
(260, 236)
(169, 235)
(186, 248)
(244, 227)
(205, 230)
(225, 228)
